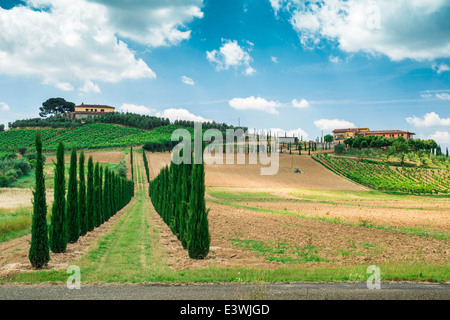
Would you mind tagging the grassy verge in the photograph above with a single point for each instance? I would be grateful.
(15, 223)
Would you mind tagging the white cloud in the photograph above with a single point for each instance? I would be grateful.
(441, 68)
(299, 133)
(4, 106)
(132, 108)
(64, 86)
(70, 43)
(327, 124)
(187, 80)
(440, 137)
(231, 54)
(153, 23)
(90, 87)
(180, 114)
(274, 59)
(443, 96)
(334, 59)
(252, 103)
(303, 103)
(399, 29)
(429, 120)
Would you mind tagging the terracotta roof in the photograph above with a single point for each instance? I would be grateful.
(94, 106)
(347, 130)
(387, 131)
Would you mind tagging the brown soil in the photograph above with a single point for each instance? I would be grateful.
(113, 156)
(313, 176)
(11, 198)
(398, 217)
(14, 253)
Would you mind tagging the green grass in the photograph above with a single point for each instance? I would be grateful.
(15, 223)
(280, 252)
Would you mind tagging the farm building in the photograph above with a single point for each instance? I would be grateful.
(389, 134)
(342, 134)
(287, 139)
(89, 110)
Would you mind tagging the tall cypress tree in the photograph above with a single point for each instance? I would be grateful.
(58, 226)
(82, 198)
(73, 217)
(105, 196)
(97, 195)
(90, 195)
(39, 254)
(131, 162)
(198, 238)
(102, 208)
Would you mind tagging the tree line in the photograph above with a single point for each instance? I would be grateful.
(178, 195)
(87, 205)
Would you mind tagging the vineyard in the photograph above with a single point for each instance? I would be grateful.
(89, 136)
(382, 177)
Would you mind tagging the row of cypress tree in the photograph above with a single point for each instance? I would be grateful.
(84, 208)
(147, 171)
(178, 195)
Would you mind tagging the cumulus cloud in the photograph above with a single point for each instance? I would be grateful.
(400, 29)
(429, 120)
(153, 23)
(187, 80)
(274, 59)
(231, 55)
(181, 114)
(139, 109)
(4, 106)
(334, 59)
(327, 124)
(299, 133)
(440, 68)
(257, 104)
(436, 94)
(443, 96)
(303, 103)
(75, 43)
(440, 137)
(90, 87)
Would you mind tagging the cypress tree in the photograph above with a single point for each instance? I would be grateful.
(73, 218)
(105, 195)
(39, 254)
(198, 238)
(58, 226)
(102, 207)
(90, 195)
(82, 198)
(97, 195)
(131, 162)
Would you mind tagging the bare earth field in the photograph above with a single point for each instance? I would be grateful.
(247, 238)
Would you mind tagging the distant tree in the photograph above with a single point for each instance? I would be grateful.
(39, 254)
(58, 225)
(56, 106)
(400, 148)
(2, 127)
(122, 169)
(73, 217)
(22, 151)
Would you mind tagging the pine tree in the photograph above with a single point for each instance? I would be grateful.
(90, 195)
(198, 238)
(82, 198)
(39, 254)
(58, 226)
(73, 218)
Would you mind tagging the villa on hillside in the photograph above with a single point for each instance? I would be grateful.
(342, 134)
(89, 110)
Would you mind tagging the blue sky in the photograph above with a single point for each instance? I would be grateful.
(272, 64)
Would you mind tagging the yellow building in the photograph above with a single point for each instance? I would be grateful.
(342, 134)
(89, 110)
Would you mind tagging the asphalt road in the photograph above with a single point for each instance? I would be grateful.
(287, 291)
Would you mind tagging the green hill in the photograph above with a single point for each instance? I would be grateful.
(89, 136)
